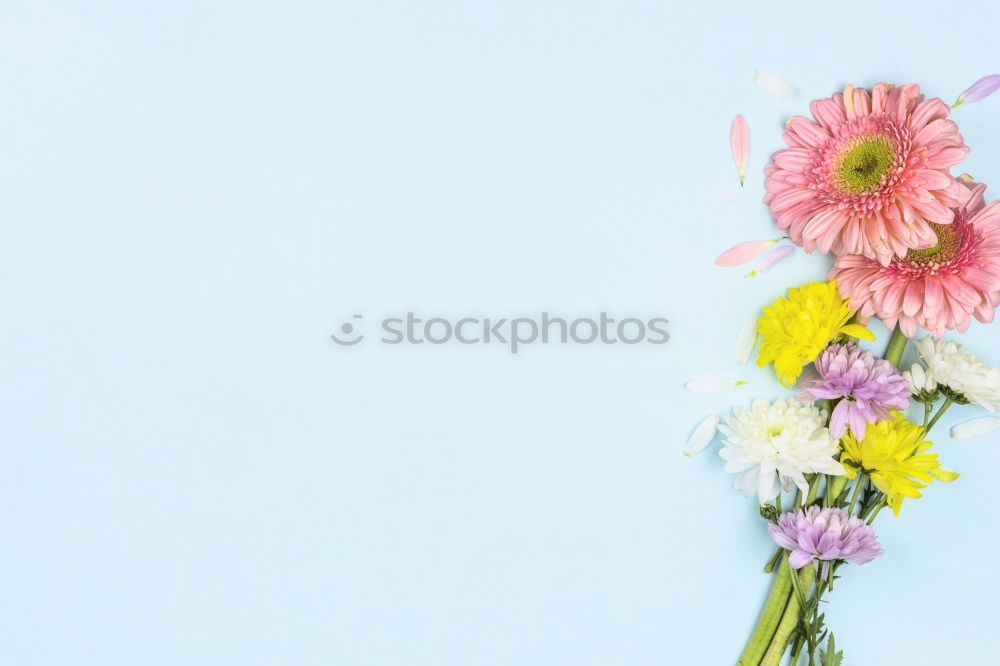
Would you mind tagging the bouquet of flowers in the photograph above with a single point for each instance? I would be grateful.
(868, 179)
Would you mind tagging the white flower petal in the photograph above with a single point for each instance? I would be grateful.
(773, 84)
(783, 440)
(702, 435)
(975, 427)
(952, 365)
(916, 378)
(721, 192)
(746, 341)
(767, 483)
(747, 482)
(712, 384)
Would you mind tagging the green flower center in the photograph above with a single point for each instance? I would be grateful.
(947, 245)
(862, 168)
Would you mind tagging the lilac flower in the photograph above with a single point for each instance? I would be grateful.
(826, 535)
(869, 388)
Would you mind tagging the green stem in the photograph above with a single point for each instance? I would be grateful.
(830, 575)
(813, 489)
(897, 344)
(834, 489)
(790, 620)
(821, 585)
(857, 492)
(774, 607)
(796, 650)
(827, 406)
(770, 617)
(880, 499)
(769, 567)
(948, 402)
(878, 507)
(799, 594)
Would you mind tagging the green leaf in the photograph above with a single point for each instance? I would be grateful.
(830, 656)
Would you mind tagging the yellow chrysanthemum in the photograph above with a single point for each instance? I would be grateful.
(892, 455)
(796, 328)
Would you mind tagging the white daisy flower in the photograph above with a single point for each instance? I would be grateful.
(773, 445)
(960, 374)
(922, 384)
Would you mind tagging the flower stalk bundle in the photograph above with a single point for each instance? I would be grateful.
(868, 180)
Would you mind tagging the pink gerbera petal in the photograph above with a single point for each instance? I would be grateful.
(940, 287)
(870, 176)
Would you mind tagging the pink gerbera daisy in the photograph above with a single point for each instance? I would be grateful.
(870, 175)
(938, 288)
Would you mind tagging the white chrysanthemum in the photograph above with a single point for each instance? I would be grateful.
(922, 384)
(774, 445)
(960, 374)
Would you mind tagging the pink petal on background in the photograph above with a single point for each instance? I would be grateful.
(739, 139)
(981, 89)
(744, 252)
(771, 258)
(773, 84)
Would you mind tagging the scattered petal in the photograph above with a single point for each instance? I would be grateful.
(975, 427)
(744, 252)
(702, 435)
(773, 84)
(721, 192)
(712, 384)
(746, 341)
(771, 258)
(981, 89)
(739, 140)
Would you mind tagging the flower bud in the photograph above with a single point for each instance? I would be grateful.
(769, 512)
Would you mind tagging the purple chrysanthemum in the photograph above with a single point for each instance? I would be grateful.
(869, 388)
(824, 534)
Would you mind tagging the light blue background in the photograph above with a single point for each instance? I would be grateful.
(195, 195)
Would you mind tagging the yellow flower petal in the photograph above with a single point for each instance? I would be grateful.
(858, 331)
(944, 475)
(892, 454)
(797, 327)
